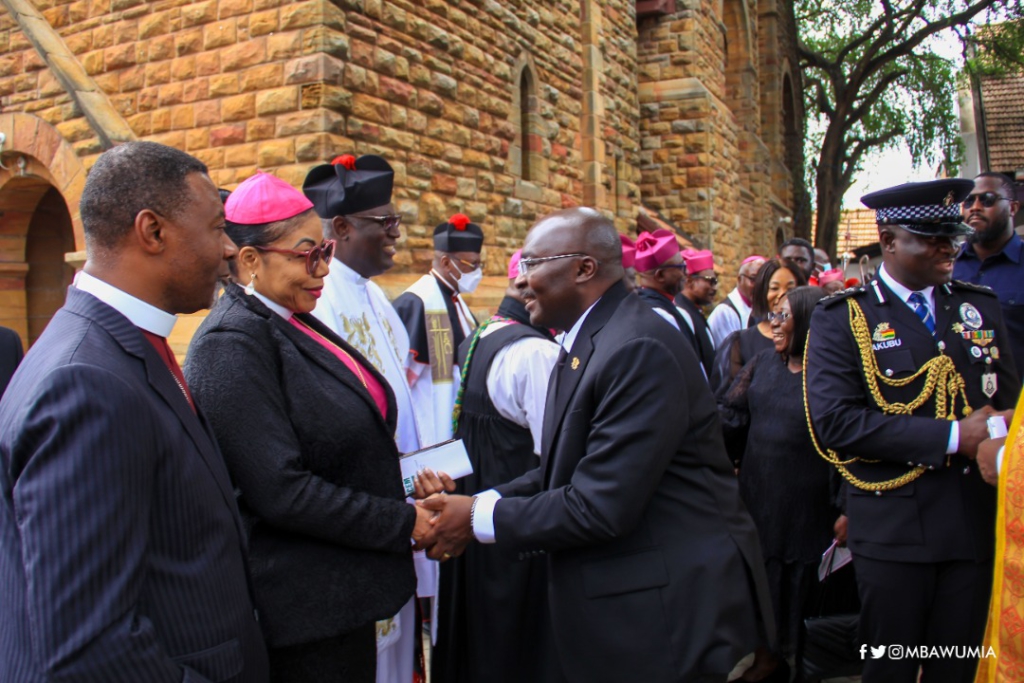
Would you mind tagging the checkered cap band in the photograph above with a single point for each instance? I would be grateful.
(924, 213)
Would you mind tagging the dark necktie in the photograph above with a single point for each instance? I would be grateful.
(920, 306)
(163, 349)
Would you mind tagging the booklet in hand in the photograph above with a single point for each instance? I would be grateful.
(449, 457)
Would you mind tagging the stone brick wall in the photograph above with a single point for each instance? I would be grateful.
(708, 72)
(677, 112)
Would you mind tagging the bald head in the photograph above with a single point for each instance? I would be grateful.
(572, 257)
(580, 230)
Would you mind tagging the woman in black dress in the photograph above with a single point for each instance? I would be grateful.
(774, 279)
(783, 481)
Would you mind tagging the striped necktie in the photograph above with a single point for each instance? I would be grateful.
(920, 306)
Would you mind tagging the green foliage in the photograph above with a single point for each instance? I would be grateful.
(880, 74)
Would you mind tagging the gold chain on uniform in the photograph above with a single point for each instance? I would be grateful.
(941, 380)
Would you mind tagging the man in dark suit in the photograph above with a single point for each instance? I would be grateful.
(11, 354)
(121, 549)
(901, 376)
(654, 568)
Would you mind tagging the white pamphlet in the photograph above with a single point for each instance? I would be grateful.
(832, 559)
(449, 457)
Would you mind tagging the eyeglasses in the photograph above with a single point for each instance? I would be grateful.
(711, 279)
(324, 252)
(388, 222)
(781, 317)
(527, 263)
(471, 266)
(752, 278)
(681, 266)
(987, 199)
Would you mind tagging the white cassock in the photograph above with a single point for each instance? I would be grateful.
(360, 313)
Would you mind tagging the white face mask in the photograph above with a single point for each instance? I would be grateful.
(468, 282)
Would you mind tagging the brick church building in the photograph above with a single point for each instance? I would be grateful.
(501, 109)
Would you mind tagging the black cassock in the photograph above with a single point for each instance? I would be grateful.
(493, 623)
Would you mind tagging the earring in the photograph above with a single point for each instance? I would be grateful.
(250, 288)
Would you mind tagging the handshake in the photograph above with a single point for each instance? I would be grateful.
(443, 522)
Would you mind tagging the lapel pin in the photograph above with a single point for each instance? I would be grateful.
(575, 362)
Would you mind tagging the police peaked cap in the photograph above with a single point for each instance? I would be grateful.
(349, 185)
(458, 234)
(930, 208)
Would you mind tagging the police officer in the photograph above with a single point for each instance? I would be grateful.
(901, 376)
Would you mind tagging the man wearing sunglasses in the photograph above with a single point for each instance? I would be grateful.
(438, 320)
(994, 254)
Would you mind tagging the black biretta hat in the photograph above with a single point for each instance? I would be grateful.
(349, 185)
(458, 234)
(930, 208)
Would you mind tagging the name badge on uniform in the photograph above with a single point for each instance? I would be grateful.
(989, 384)
(884, 337)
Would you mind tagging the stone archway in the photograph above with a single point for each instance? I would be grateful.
(41, 183)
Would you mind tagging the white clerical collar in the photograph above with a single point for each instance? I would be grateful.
(141, 314)
(901, 291)
(570, 337)
(275, 307)
(347, 273)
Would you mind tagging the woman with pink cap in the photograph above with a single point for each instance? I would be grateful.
(307, 426)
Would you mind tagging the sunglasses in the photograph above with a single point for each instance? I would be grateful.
(324, 252)
(388, 222)
(987, 199)
(712, 279)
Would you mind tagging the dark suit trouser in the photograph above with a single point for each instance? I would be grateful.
(913, 604)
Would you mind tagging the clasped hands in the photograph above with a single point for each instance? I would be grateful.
(443, 522)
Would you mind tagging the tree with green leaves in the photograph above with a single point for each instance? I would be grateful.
(876, 78)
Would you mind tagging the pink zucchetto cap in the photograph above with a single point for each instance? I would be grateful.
(654, 249)
(513, 264)
(696, 261)
(752, 258)
(834, 275)
(628, 251)
(264, 198)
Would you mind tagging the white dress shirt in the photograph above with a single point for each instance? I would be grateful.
(483, 506)
(929, 296)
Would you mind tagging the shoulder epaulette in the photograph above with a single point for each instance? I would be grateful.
(842, 294)
(970, 286)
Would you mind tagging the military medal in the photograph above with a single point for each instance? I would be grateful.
(958, 328)
(970, 316)
(995, 352)
(976, 352)
(989, 384)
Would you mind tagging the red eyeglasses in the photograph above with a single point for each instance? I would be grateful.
(324, 252)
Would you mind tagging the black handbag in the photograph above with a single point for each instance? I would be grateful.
(829, 644)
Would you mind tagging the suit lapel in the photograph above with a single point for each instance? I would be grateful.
(335, 367)
(944, 303)
(159, 377)
(568, 378)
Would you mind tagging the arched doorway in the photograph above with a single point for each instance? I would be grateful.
(50, 236)
(35, 232)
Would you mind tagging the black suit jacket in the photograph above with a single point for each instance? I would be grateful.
(317, 469)
(949, 512)
(653, 559)
(10, 355)
(121, 548)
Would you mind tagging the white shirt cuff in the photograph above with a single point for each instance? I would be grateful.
(954, 438)
(483, 515)
(999, 459)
